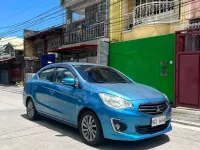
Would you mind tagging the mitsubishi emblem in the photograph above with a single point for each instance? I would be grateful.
(158, 110)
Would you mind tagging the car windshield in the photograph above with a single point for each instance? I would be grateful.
(101, 74)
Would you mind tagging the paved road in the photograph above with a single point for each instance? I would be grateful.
(18, 133)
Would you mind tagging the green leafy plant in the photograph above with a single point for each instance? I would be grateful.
(19, 83)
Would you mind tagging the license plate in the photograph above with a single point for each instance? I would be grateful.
(158, 121)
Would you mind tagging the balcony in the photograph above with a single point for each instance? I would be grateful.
(152, 12)
(92, 26)
(91, 32)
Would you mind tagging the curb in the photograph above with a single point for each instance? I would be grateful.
(186, 109)
(186, 123)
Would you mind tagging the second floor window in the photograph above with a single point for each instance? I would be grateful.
(54, 44)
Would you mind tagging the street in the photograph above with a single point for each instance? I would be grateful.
(18, 133)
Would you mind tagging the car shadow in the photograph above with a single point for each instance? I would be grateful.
(73, 133)
(136, 145)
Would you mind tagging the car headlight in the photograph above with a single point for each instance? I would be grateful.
(115, 101)
(166, 97)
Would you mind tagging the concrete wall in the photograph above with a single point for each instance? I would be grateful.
(29, 48)
(115, 20)
(194, 6)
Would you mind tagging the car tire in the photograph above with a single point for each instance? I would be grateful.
(31, 110)
(90, 129)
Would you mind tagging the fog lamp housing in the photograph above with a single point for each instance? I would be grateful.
(118, 126)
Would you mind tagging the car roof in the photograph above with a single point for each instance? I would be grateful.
(71, 64)
(78, 63)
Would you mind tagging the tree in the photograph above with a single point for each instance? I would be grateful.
(8, 50)
(62, 2)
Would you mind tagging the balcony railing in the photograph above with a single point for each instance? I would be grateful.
(91, 32)
(163, 11)
(154, 11)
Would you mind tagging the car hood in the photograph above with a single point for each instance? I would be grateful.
(129, 91)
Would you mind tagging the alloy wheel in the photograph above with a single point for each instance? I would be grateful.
(30, 109)
(89, 128)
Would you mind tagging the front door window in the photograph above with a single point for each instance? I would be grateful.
(62, 73)
(47, 75)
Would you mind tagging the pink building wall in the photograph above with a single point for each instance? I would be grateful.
(192, 9)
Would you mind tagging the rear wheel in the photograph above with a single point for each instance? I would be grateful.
(31, 111)
(90, 129)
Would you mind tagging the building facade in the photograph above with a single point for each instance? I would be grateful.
(85, 37)
(137, 19)
(187, 52)
(37, 44)
(142, 39)
(144, 18)
(11, 60)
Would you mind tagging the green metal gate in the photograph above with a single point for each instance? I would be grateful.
(149, 61)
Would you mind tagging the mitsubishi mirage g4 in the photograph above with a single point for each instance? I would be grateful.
(98, 100)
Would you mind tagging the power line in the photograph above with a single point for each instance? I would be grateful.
(121, 20)
(188, 12)
(152, 26)
(171, 16)
(37, 22)
(20, 13)
(41, 15)
(33, 22)
(27, 21)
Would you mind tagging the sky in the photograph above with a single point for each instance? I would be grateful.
(17, 11)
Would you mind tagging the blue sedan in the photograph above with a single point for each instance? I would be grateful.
(99, 101)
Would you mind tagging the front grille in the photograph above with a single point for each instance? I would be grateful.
(150, 130)
(153, 108)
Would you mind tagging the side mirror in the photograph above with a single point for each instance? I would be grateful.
(69, 81)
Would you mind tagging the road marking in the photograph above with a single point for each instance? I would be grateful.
(185, 127)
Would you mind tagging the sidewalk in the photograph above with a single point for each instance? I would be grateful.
(186, 116)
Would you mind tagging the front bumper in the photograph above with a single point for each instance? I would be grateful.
(133, 119)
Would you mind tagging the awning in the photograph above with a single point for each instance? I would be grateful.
(86, 46)
(74, 48)
(1, 60)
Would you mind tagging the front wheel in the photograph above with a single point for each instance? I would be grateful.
(90, 129)
(31, 110)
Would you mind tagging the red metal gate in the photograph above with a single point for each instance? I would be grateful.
(16, 75)
(187, 70)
